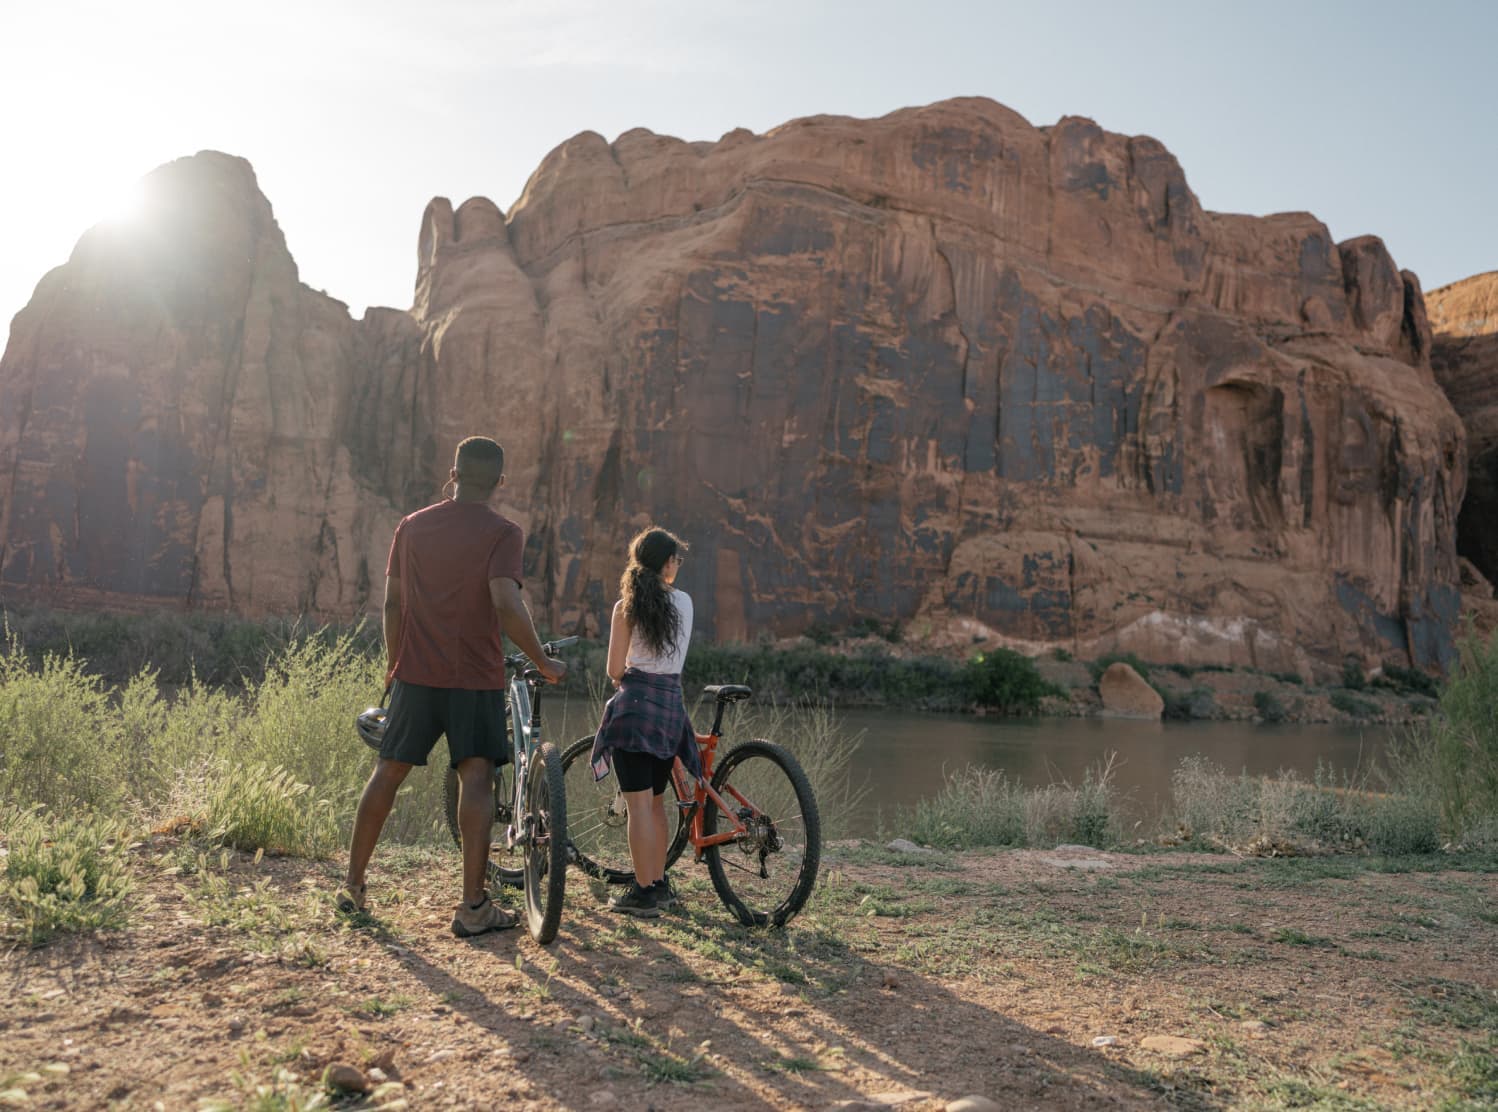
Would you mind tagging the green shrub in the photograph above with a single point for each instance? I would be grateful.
(61, 738)
(874, 627)
(819, 633)
(1211, 805)
(1093, 812)
(1289, 677)
(1454, 757)
(1268, 707)
(980, 807)
(870, 677)
(256, 807)
(1352, 676)
(1408, 681)
(1063, 655)
(1348, 703)
(1404, 824)
(975, 807)
(62, 875)
(1008, 681)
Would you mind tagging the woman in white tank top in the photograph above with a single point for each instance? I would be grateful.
(645, 725)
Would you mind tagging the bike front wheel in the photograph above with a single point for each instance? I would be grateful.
(765, 874)
(545, 850)
(597, 823)
(505, 864)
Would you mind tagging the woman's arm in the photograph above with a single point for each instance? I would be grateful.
(620, 632)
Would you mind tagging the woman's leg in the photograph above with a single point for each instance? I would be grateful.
(662, 834)
(647, 836)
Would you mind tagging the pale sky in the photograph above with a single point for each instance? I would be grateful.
(1378, 117)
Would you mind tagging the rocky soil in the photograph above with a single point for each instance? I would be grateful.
(1061, 979)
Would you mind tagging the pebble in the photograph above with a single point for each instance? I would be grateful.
(1255, 1028)
(13, 1098)
(236, 1025)
(57, 1069)
(439, 1056)
(1105, 1040)
(585, 1023)
(377, 1075)
(890, 980)
(349, 1078)
(602, 1096)
(972, 1103)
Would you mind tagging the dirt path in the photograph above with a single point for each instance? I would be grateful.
(910, 981)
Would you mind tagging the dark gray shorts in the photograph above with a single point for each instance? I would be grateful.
(474, 722)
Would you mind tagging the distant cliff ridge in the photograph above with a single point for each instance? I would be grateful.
(943, 367)
(1464, 316)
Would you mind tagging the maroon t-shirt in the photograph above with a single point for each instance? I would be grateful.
(444, 557)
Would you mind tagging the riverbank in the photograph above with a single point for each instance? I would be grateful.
(868, 668)
(1069, 978)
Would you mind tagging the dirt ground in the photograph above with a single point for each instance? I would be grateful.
(1061, 979)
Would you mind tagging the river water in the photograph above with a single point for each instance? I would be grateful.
(902, 756)
(905, 755)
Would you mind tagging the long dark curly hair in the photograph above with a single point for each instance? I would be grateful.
(647, 598)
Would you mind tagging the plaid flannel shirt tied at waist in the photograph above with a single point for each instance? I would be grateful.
(648, 714)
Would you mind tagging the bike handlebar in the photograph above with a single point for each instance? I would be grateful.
(550, 648)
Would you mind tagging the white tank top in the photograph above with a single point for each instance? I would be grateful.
(669, 664)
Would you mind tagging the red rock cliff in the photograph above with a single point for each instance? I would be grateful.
(1464, 316)
(943, 367)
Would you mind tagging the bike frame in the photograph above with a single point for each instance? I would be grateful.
(525, 735)
(691, 796)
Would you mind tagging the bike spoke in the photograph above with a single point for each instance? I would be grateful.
(766, 871)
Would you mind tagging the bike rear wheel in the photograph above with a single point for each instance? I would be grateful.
(764, 875)
(597, 824)
(505, 865)
(545, 821)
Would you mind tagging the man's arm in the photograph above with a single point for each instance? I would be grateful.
(391, 623)
(515, 620)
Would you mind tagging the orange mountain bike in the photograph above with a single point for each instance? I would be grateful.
(752, 819)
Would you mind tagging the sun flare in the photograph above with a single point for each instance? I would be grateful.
(125, 205)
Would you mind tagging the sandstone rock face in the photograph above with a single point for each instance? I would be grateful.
(1464, 318)
(1126, 694)
(174, 409)
(944, 367)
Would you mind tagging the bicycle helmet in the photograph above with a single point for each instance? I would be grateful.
(371, 726)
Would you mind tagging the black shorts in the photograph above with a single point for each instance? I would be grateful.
(474, 722)
(639, 772)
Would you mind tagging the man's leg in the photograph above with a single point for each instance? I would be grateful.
(369, 820)
(475, 822)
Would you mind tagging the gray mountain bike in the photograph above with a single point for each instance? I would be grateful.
(529, 849)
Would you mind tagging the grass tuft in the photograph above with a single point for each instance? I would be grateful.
(62, 876)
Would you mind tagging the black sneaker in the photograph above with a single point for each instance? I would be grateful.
(636, 901)
(665, 893)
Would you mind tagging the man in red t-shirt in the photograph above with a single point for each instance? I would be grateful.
(452, 585)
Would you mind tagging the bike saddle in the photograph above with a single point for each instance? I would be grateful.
(729, 692)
